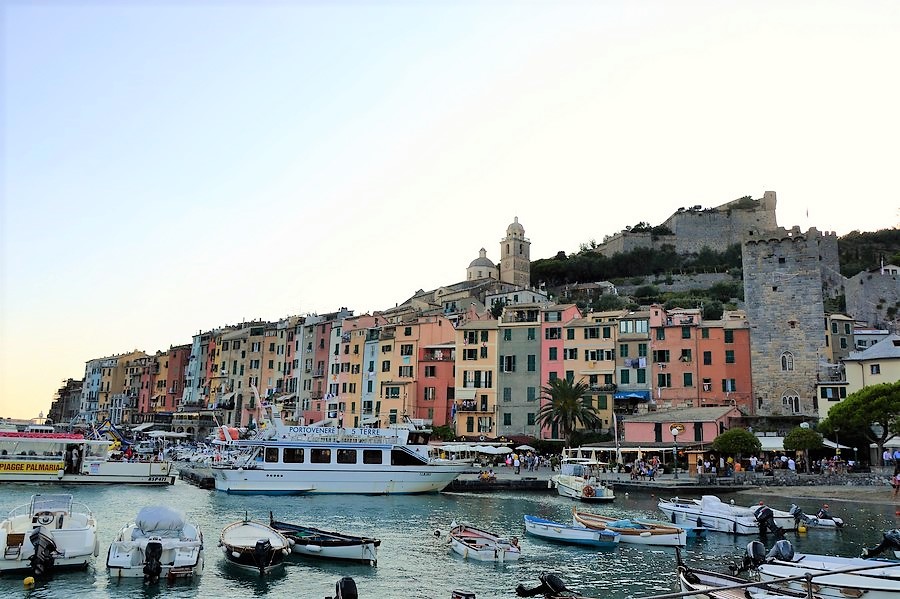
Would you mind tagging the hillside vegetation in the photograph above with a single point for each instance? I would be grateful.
(863, 251)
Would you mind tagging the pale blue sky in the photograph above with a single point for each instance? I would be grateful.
(170, 167)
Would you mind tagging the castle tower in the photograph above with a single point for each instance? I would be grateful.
(783, 283)
(515, 256)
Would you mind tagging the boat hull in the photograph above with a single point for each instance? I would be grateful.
(254, 547)
(387, 481)
(574, 487)
(99, 473)
(872, 583)
(739, 521)
(636, 533)
(480, 545)
(316, 543)
(571, 535)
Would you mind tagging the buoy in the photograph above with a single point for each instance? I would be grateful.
(801, 529)
(437, 533)
(28, 582)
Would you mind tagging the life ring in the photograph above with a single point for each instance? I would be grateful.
(44, 518)
(481, 438)
(588, 491)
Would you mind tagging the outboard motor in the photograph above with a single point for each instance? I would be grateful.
(766, 519)
(345, 588)
(756, 555)
(44, 551)
(262, 553)
(890, 541)
(782, 551)
(797, 513)
(152, 564)
(551, 586)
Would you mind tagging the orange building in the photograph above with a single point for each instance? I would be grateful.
(699, 363)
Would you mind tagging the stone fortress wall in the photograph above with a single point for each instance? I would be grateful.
(693, 228)
(869, 296)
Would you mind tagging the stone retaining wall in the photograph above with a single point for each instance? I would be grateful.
(789, 479)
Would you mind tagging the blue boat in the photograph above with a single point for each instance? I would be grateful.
(572, 535)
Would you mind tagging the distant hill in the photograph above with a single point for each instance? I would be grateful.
(864, 251)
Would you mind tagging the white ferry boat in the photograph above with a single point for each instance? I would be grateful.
(291, 460)
(68, 458)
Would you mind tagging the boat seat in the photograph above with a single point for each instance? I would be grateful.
(14, 542)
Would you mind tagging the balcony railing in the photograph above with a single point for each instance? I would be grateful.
(468, 407)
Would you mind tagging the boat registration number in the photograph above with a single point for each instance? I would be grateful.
(158, 479)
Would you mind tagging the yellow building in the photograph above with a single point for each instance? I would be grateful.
(589, 355)
(878, 364)
(476, 375)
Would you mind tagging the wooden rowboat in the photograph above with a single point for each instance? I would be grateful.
(633, 531)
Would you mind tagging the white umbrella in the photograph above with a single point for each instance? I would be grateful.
(501, 450)
(526, 448)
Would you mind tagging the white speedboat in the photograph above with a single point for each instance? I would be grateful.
(822, 519)
(48, 533)
(633, 531)
(253, 546)
(831, 577)
(714, 514)
(291, 460)
(475, 543)
(160, 543)
(573, 535)
(578, 478)
(40, 457)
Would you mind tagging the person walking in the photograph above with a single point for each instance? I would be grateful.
(516, 463)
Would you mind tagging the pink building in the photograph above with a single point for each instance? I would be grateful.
(552, 349)
(697, 426)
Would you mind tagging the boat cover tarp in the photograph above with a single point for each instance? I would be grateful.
(623, 524)
(710, 504)
(159, 521)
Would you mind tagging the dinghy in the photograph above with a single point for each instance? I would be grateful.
(574, 535)
(314, 542)
(481, 545)
(253, 546)
(633, 531)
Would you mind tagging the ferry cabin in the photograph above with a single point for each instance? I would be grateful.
(313, 456)
(47, 453)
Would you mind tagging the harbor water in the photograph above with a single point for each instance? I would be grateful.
(414, 560)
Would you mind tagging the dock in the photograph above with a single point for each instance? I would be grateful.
(200, 477)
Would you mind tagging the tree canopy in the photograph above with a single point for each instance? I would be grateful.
(874, 407)
(567, 408)
(736, 441)
(803, 439)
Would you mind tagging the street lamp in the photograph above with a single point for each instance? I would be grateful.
(675, 430)
(878, 430)
(837, 441)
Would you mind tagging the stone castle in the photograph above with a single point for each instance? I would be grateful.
(693, 228)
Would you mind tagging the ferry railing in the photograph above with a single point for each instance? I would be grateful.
(806, 577)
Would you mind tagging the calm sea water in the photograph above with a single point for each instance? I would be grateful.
(412, 561)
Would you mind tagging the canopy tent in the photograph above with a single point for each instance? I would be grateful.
(892, 443)
(777, 444)
(526, 448)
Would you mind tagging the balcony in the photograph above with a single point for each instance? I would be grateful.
(605, 388)
(466, 406)
(319, 373)
(440, 355)
(513, 316)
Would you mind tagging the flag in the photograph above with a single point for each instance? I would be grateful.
(453, 411)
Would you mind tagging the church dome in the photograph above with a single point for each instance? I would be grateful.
(515, 229)
(482, 260)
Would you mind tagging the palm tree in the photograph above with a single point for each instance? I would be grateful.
(566, 407)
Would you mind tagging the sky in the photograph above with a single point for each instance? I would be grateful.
(170, 167)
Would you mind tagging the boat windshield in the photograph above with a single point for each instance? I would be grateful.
(51, 503)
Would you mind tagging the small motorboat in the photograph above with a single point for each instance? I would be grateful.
(314, 542)
(574, 535)
(822, 519)
(477, 544)
(160, 543)
(578, 478)
(714, 585)
(254, 546)
(713, 514)
(633, 531)
(830, 576)
(48, 533)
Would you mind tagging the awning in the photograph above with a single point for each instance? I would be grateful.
(772, 443)
(142, 427)
(833, 445)
(639, 395)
